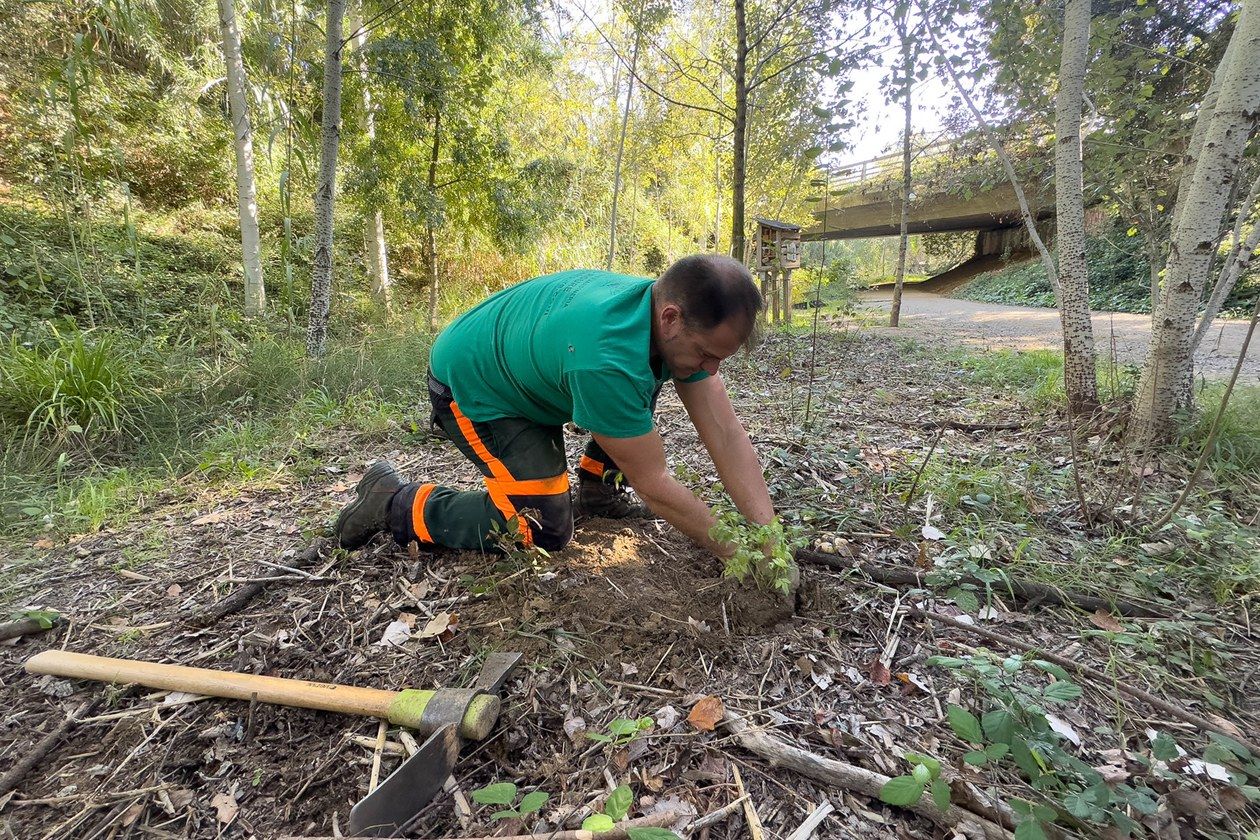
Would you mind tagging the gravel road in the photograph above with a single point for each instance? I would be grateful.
(931, 317)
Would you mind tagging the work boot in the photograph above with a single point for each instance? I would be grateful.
(368, 514)
(609, 500)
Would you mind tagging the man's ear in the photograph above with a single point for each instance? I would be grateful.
(671, 320)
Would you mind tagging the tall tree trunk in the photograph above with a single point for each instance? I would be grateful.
(374, 222)
(621, 146)
(1236, 264)
(430, 235)
(1080, 378)
(1167, 377)
(246, 195)
(903, 30)
(326, 191)
(741, 129)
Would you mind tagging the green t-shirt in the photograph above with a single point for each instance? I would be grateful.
(568, 346)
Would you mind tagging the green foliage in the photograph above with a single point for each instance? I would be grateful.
(925, 774)
(763, 551)
(45, 618)
(1119, 278)
(1015, 730)
(622, 731)
(616, 809)
(504, 793)
(91, 386)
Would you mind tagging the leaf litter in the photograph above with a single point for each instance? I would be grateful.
(629, 622)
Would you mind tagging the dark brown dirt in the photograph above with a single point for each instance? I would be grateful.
(629, 621)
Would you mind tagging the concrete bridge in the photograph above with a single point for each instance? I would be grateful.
(864, 200)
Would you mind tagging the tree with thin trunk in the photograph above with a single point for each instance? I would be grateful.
(326, 191)
(1224, 126)
(1079, 393)
(907, 69)
(430, 239)
(621, 146)
(1241, 251)
(1080, 377)
(246, 194)
(739, 121)
(374, 220)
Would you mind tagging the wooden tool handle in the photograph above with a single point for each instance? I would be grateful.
(473, 714)
(329, 697)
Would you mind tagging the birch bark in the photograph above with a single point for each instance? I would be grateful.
(246, 193)
(374, 222)
(1165, 385)
(326, 191)
(1080, 378)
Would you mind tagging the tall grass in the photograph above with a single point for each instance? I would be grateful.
(88, 420)
(86, 384)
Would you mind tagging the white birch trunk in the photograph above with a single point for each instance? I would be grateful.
(374, 223)
(1080, 378)
(246, 194)
(326, 191)
(903, 244)
(1236, 264)
(1167, 377)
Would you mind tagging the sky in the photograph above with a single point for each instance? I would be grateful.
(880, 122)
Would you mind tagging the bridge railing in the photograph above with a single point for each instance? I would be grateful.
(888, 166)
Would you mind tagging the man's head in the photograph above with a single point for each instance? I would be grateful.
(705, 307)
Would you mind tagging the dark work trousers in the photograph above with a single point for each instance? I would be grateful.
(526, 476)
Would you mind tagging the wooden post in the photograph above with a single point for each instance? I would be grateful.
(765, 292)
(787, 296)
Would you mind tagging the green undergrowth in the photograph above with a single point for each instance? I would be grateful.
(93, 421)
(1119, 280)
(1014, 507)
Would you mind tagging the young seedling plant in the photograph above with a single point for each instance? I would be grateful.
(616, 807)
(504, 794)
(763, 551)
(622, 731)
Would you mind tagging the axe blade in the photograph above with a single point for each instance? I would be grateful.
(396, 801)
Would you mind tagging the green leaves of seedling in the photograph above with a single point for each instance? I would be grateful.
(598, 822)
(906, 790)
(500, 793)
(619, 802)
(622, 730)
(965, 724)
(504, 793)
(44, 618)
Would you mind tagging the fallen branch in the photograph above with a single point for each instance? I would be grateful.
(854, 779)
(14, 777)
(717, 816)
(1029, 593)
(241, 597)
(618, 833)
(23, 627)
(958, 425)
(1094, 674)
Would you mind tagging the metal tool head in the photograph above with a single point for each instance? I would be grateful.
(396, 801)
(495, 670)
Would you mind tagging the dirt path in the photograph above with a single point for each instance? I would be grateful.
(929, 316)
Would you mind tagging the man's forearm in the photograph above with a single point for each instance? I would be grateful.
(740, 470)
(679, 507)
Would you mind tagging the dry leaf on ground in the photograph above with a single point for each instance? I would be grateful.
(706, 713)
(225, 807)
(1104, 620)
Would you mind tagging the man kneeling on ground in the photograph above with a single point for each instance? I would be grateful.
(595, 348)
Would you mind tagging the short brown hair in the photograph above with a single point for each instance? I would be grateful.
(712, 289)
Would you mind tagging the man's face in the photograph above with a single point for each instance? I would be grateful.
(687, 351)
